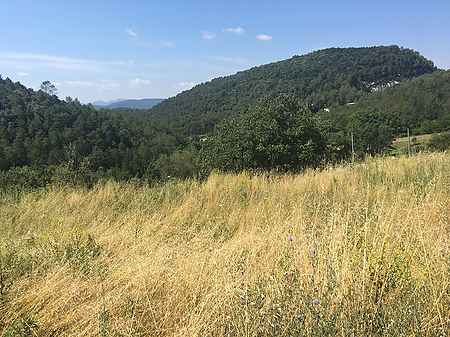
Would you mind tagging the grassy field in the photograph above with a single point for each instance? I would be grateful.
(418, 143)
(360, 250)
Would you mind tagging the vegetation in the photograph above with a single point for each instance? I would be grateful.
(283, 116)
(278, 134)
(440, 142)
(39, 130)
(358, 250)
(422, 143)
(320, 79)
(421, 104)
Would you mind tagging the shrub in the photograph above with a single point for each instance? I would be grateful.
(277, 134)
(440, 142)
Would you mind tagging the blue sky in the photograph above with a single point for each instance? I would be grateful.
(102, 50)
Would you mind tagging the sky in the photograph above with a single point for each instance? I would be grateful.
(114, 49)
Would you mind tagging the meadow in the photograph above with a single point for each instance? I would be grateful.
(354, 250)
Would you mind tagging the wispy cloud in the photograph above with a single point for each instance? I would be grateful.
(235, 30)
(208, 35)
(232, 60)
(32, 60)
(185, 85)
(264, 37)
(131, 32)
(139, 82)
(101, 85)
(23, 74)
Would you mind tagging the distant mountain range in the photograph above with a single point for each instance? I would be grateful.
(145, 103)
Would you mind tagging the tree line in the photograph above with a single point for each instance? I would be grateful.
(47, 140)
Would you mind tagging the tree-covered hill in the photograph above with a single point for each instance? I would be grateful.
(320, 79)
(38, 129)
(421, 104)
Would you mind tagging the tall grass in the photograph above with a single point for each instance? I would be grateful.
(349, 251)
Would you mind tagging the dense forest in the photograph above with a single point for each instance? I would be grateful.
(320, 79)
(421, 104)
(284, 116)
(37, 129)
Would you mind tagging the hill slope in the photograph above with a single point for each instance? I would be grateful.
(322, 78)
(421, 104)
(307, 255)
(39, 129)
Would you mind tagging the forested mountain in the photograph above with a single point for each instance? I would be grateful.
(288, 114)
(320, 79)
(421, 104)
(145, 103)
(38, 129)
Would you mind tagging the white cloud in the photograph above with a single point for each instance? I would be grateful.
(233, 60)
(131, 32)
(32, 60)
(185, 85)
(139, 82)
(236, 30)
(100, 85)
(208, 35)
(23, 74)
(78, 84)
(264, 37)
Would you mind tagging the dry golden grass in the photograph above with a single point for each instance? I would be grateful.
(349, 251)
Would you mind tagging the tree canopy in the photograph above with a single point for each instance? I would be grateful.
(278, 133)
(319, 79)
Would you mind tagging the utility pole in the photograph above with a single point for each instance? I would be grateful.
(409, 144)
(353, 148)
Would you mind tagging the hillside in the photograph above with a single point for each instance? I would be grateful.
(353, 251)
(39, 130)
(422, 104)
(323, 78)
(142, 104)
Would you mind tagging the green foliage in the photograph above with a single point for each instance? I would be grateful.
(49, 88)
(46, 140)
(320, 79)
(104, 323)
(23, 327)
(39, 130)
(371, 132)
(421, 104)
(440, 142)
(180, 164)
(80, 254)
(277, 134)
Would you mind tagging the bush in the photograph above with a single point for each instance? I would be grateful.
(440, 142)
(23, 178)
(277, 134)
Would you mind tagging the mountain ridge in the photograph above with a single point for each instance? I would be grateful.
(140, 103)
(320, 78)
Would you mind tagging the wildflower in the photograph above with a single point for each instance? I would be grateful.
(290, 238)
(316, 301)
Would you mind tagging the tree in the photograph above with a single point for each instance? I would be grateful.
(372, 133)
(278, 133)
(440, 142)
(49, 88)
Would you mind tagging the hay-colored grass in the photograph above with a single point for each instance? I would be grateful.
(359, 250)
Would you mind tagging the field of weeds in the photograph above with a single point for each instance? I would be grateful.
(359, 250)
